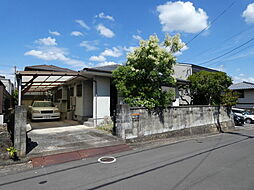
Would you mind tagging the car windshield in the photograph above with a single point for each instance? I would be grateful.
(42, 104)
(247, 113)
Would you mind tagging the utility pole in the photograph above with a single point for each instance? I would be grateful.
(15, 79)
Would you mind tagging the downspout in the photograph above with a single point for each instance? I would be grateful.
(96, 101)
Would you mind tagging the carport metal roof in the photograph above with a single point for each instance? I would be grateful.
(41, 81)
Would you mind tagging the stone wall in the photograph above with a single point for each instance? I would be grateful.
(139, 123)
(5, 142)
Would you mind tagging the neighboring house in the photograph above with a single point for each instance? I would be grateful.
(182, 72)
(8, 84)
(5, 101)
(246, 94)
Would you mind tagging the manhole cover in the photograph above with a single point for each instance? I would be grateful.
(107, 160)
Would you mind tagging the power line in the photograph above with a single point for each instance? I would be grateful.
(223, 41)
(214, 20)
(227, 52)
(233, 54)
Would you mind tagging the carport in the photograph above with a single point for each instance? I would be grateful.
(55, 138)
(34, 81)
(41, 81)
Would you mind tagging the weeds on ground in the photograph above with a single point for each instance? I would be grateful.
(106, 127)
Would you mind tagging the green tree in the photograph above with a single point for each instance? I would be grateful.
(206, 87)
(15, 97)
(148, 67)
(229, 98)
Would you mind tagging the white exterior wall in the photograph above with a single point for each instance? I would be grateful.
(182, 71)
(101, 101)
(248, 100)
(8, 85)
(177, 98)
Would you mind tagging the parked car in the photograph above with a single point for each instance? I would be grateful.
(248, 116)
(43, 110)
(239, 120)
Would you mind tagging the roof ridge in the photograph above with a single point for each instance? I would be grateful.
(248, 82)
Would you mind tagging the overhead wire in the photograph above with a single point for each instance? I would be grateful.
(233, 54)
(225, 40)
(228, 52)
(214, 20)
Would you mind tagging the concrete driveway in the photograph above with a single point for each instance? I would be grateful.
(47, 138)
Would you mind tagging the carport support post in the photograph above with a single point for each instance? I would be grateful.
(20, 130)
(19, 90)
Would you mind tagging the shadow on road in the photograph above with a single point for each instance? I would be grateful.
(139, 173)
(239, 134)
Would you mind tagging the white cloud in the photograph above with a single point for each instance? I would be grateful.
(55, 33)
(49, 53)
(76, 33)
(99, 58)
(114, 52)
(82, 24)
(181, 51)
(104, 31)
(129, 49)
(47, 41)
(248, 14)
(8, 74)
(137, 37)
(107, 63)
(89, 45)
(182, 16)
(240, 78)
(103, 16)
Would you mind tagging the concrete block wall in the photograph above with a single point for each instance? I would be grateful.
(137, 123)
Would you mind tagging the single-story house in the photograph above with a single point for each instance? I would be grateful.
(246, 94)
(88, 94)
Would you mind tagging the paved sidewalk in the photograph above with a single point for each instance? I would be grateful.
(78, 155)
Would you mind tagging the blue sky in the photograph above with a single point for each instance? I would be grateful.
(79, 33)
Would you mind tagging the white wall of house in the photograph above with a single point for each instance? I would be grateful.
(8, 84)
(248, 100)
(182, 71)
(177, 98)
(101, 99)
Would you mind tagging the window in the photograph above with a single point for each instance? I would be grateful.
(240, 93)
(79, 90)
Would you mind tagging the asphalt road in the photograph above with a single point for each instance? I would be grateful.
(224, 161)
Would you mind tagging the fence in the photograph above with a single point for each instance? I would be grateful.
(139, 123)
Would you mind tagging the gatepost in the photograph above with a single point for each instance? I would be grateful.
(20, 130)
(123, 120)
